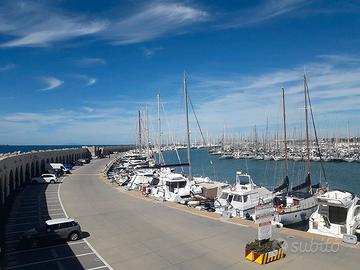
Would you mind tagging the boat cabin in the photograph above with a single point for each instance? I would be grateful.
(338, 214)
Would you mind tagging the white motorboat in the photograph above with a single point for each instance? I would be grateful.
(338, 214)
(140, 178)
(171, 187)
(241, 198)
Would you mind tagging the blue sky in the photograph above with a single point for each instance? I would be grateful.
(78, 71)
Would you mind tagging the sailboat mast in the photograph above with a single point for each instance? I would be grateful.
(140, 144)
(307, 125)
(147, 131)
(285, 137)
(187, 128)
(159, 127)
(348, 140)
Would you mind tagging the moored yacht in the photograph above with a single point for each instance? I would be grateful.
(171, 187)
(241, 198)
(140, 178)
(337, 215)
(297, 205)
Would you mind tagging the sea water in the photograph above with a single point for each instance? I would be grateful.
(269, 173)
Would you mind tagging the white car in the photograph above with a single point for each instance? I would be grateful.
(45, 178)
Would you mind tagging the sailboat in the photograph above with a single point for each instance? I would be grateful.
(174, 186)
(297, 205)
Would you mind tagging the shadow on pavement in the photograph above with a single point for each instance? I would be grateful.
(31, 208)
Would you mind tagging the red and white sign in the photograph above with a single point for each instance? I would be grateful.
(264, 230)
(264, 214)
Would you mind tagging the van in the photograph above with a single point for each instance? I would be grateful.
(56, 166)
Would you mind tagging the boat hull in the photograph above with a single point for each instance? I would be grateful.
(295, 217)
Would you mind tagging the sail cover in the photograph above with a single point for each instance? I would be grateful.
(306, 184)
(284, 185)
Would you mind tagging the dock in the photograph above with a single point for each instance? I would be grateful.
(133, 232)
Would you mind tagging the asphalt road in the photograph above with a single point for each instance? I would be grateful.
(130, 233)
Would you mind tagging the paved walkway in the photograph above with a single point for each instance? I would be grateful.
(131, 233)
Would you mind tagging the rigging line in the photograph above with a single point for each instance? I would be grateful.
(201, 133)
(197, 121)
(168, 127)
(315, 132)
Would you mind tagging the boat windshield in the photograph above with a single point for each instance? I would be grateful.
(175, 185)
(337, 215)
(224, 195)
(243, 179)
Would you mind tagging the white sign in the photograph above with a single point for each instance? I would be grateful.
(264, 230)
(264, 213)
(273, 253)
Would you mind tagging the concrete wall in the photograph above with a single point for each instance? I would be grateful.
(17, 169)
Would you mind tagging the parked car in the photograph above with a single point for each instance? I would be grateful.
(58, 172)
(68, 166)
(45, 178)
(60, 228)
(84, 161)
(78, 163)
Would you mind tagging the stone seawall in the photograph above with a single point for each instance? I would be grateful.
(16, 169)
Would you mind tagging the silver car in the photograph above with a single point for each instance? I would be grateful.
(60, 228)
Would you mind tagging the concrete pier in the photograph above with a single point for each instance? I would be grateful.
(133, 232)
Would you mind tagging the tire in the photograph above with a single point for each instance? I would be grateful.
(74, 236)
(52, 182)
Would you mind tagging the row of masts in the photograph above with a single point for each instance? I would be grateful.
(159, 132)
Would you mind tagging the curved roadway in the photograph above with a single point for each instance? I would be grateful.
(130, 233)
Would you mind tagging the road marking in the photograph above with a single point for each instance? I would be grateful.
(77, 174)
(24, 223)
(42, 248)
(12, 232)
(95, 268)
(35, 216)
(87, 242)
(51, 260)
(54, 209)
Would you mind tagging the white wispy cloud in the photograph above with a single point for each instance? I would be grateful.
(82, 126)
(243, 101)
(89, 80)
(34, 24)
(51, 83)
(91, 61)
(88, 109)
(149, 52)
(342, 58)
(263, 11)
(153, 21)
(7, 67)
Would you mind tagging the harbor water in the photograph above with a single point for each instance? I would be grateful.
(269, 173)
